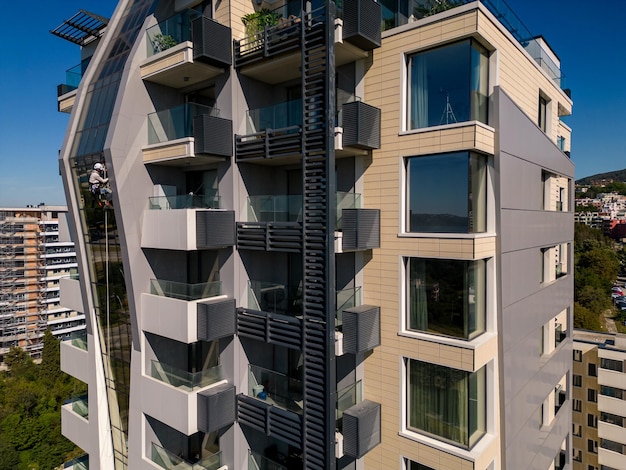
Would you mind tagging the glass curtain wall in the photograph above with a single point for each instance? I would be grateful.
(99, 224)
(447, 403)
(447, 85)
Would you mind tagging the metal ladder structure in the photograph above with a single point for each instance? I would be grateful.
(318, 174)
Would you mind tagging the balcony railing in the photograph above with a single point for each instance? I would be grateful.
(346, 398)
(169, 460)
(184, 201)
(78, 339)
(176, 123)
(167, 34)
(275, 388)
(180, 378)
(347, 298)
(185, 291)
(286, 116)
(559, 398)
(257, 462)
(559, 335)
(80, 405)
(79, 463)
(73, 76)
(275, 298)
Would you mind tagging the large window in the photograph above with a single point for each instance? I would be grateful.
(446, 297)
(447, 193)
(445, 402)
(447, 85)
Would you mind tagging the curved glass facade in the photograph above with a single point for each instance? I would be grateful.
(98, 224)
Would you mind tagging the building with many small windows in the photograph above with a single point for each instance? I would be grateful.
(36, 255)
(598, 394)
(340, 237)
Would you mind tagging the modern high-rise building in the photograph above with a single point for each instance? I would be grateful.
(598, 394)
(340, 236)
(36, 256)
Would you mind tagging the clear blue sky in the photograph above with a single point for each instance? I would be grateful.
(588, 40)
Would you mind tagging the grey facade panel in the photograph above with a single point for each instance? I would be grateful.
(253, 413)
(361, 229)
(361, 428)
(216, 320)
(361, 328)
(216, 408)
(286, 426)
(213, 135)
(215, 229)
(535, 229)
(212, 42)
(273, 328)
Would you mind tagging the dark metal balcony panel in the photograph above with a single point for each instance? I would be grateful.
(286, 426)
(361, 23)
(270, 236)
(272, 143)
(215, 229)
(253, 413)
(361, 428)
(217, 408)
(361, 229)
(213, 136)
(361, 328)
(272, 328)
(361, 125)
(272, 42)
(216, 320)
(212, 42)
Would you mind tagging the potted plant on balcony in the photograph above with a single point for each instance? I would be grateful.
(161, 42)
(257, 21)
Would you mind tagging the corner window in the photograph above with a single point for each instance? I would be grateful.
(447, 403)
(447, 193)
(446, 297)
(447, 85)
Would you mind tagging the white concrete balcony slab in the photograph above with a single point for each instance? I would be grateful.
(75, 423)
(71, 295)
(75, 358)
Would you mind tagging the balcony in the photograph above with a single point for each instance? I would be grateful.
(74, 356)
(170, 460)
(196, 401)
(273, 133)
(560, 396)
(66, 92)
(74, 421)
(258, 462)
(273, 54)
(79, 463)
(358, 128)
(559, 334)
(186, 49)
(187, 223)
(187, 135)
(187, 312)
(273, 405)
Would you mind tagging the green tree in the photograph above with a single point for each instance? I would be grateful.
(585, 319)
(50, 359)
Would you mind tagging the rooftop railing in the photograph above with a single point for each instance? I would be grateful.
(185, 291)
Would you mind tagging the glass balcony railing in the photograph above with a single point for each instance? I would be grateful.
(169, 460)
(275, 208)
(257, 462)
(180, 378)
(78, 339)
(275, 388)
(80, 405)
(79, 463)
(174, 30)
(74, 75)
(347, 398)
(286, 116)
(74, 274)
(184, 291)
(184, 201)
(176, 123)
(347, 298)
(275, 298)
(288, 208)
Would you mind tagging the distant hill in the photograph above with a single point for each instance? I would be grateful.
(619, 175)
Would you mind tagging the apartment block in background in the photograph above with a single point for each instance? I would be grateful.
(340, 237)
(36, 255)
(598, 394)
